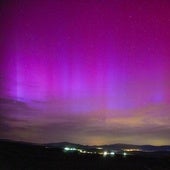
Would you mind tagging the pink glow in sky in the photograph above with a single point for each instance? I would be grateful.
(85, 71)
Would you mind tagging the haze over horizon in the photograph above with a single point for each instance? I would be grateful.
(85, 71)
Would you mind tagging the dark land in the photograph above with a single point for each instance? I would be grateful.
(26, 156)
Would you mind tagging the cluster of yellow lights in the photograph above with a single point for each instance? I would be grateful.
(132, 150)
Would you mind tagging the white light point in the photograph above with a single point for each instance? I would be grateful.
(112, 153)
(105, 153)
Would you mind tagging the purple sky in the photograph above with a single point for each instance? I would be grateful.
(85, 71)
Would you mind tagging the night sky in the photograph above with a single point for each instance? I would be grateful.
(85, 71)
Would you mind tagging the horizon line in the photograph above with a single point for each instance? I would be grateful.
(36, 143)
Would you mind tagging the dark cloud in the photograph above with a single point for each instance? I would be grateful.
(21, 122)
(13, 112)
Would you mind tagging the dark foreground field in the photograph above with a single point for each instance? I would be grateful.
(20, 156)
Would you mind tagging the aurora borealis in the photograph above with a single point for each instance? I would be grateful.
(85, 71)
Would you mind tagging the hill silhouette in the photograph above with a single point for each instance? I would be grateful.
(30, 156)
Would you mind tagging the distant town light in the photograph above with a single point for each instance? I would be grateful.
(132, 150)
(105, 153)
(112, 153)
(73, 149)
(80, 150)
(69, 149)
(124, 153)
(66, 149)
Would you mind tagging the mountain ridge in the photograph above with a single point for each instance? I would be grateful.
(116, 146)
